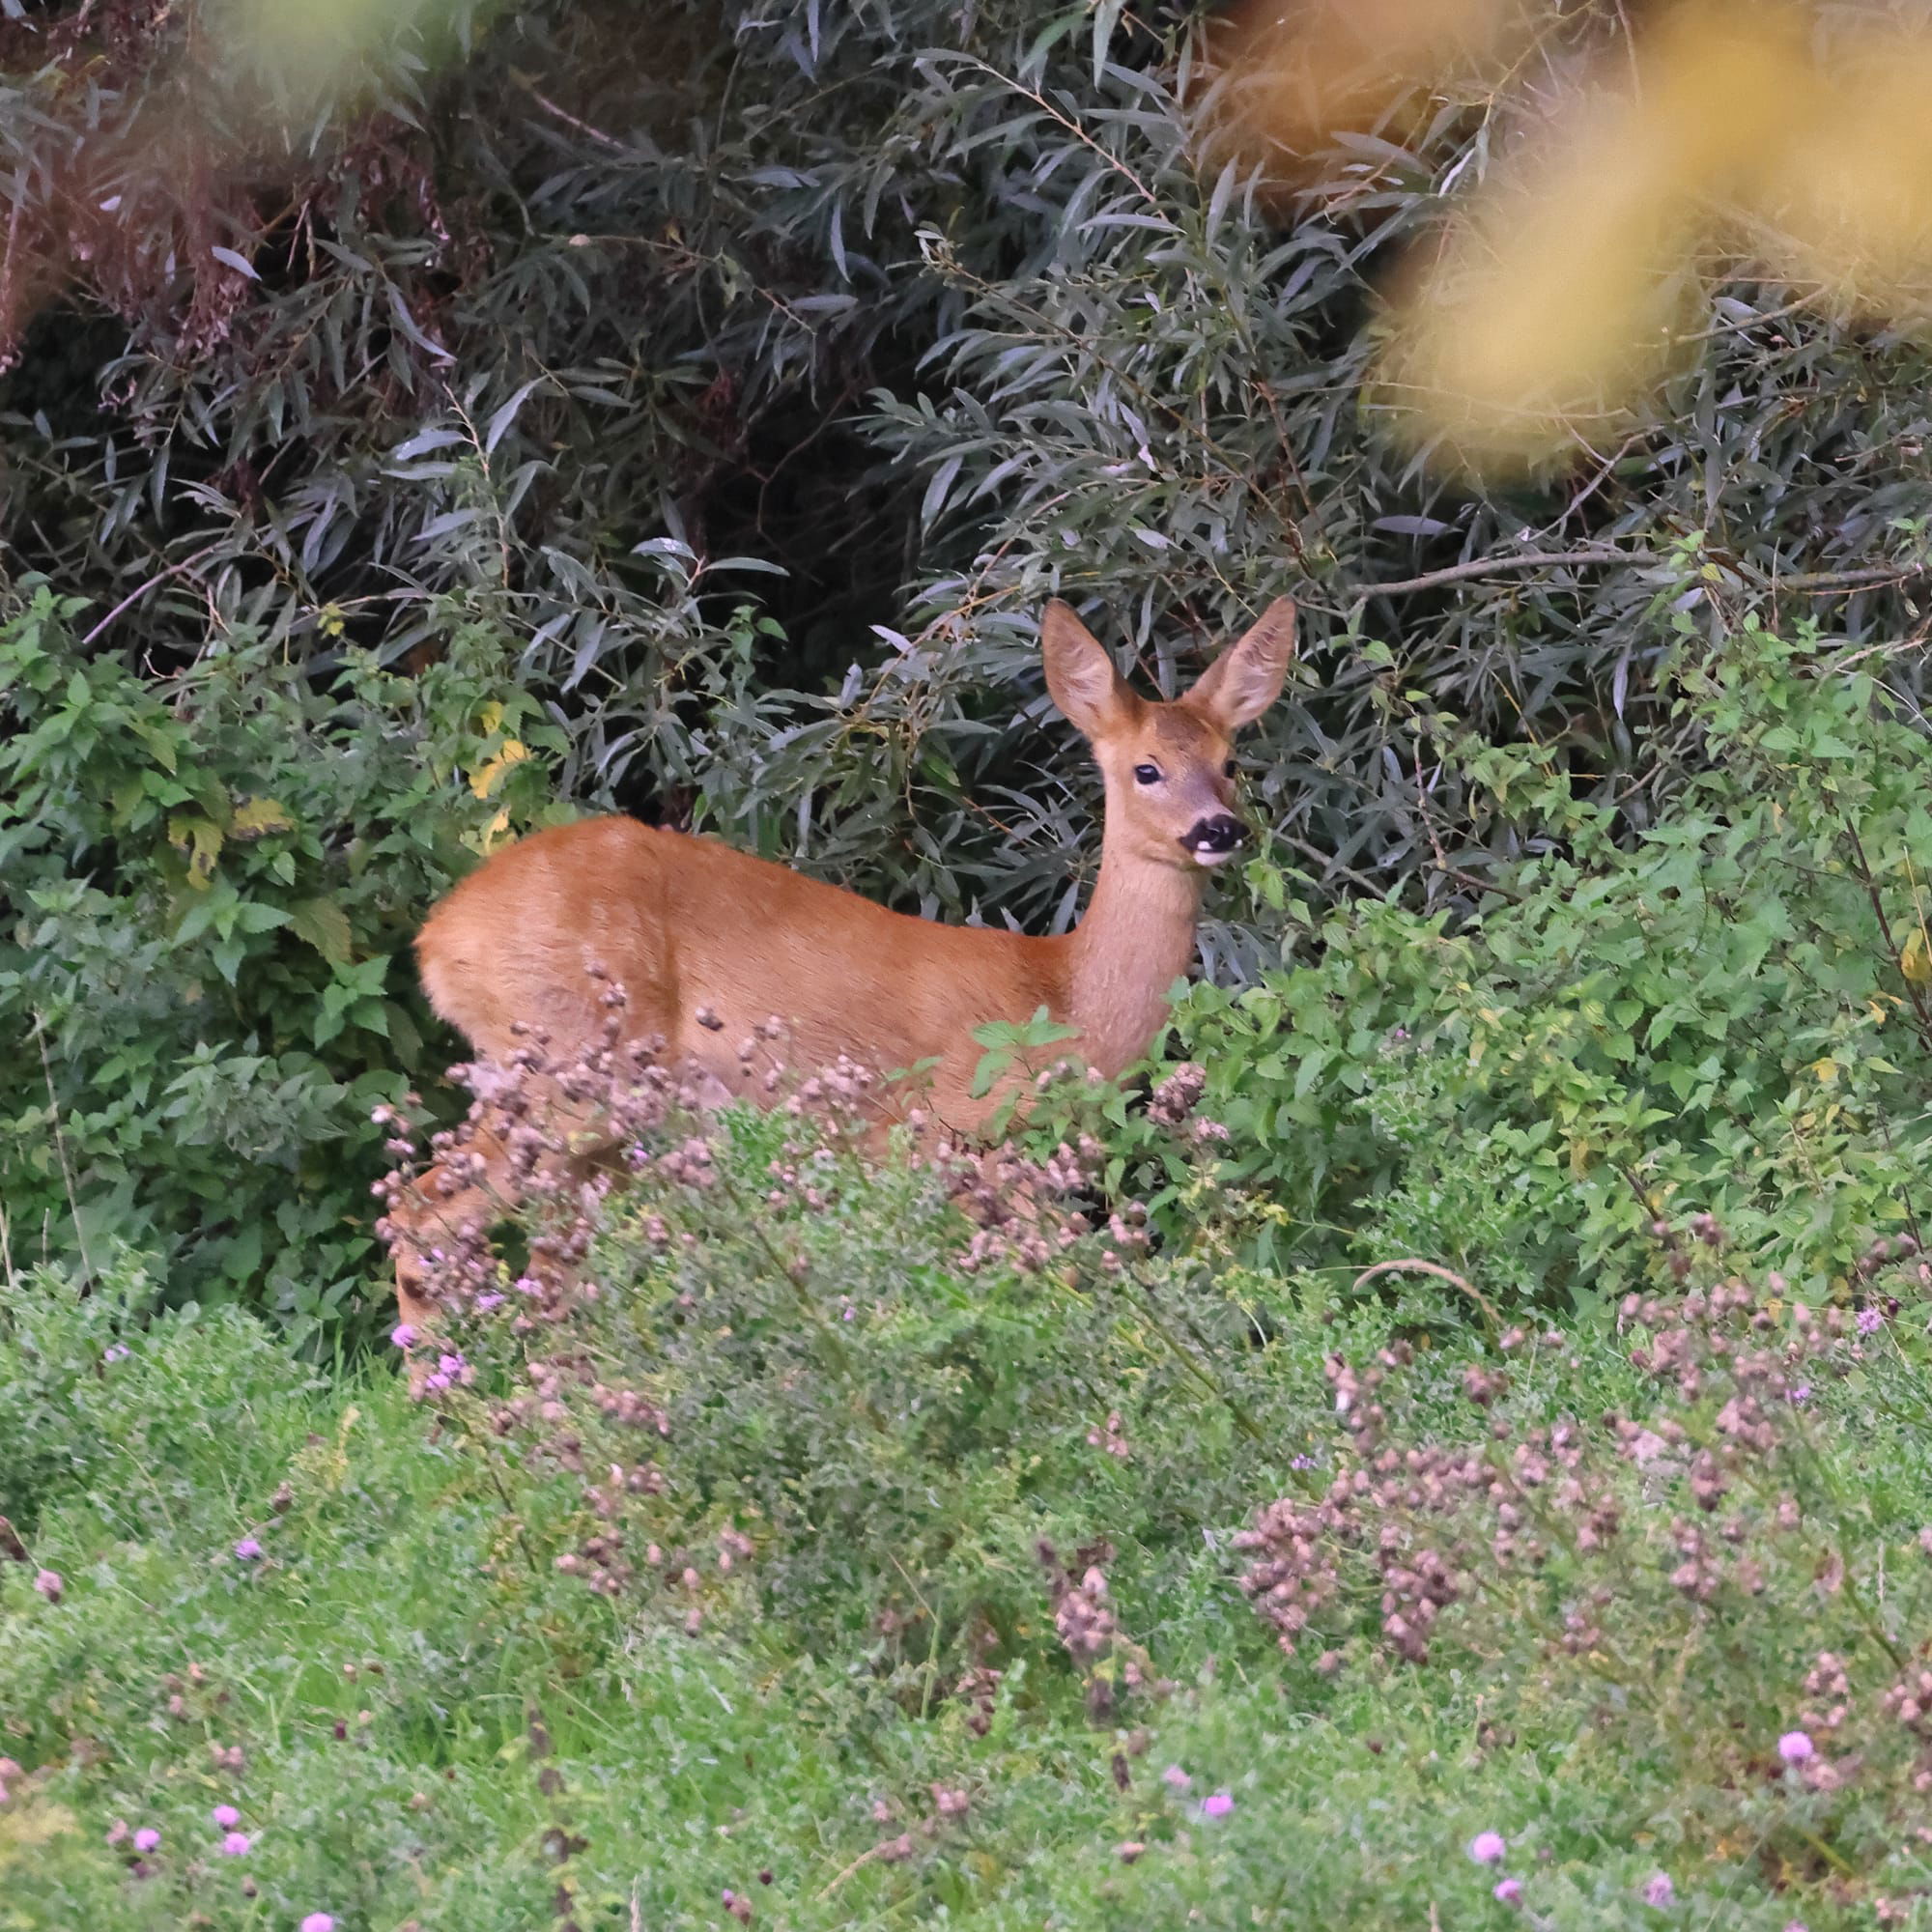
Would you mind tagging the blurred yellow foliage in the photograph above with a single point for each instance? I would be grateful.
(1302, 67)
(1573, 276)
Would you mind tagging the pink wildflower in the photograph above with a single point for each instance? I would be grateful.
(1176, 1778)
(1796, 1747)
(403, 1335)
(234, 1845)
(318, 1922)
(225, 1817)
(248, 1550)
(147, 1838)
(1218, 1804)
(1486, 1848)
(1509, 1891)
(1659, 1891)
(48, 1584)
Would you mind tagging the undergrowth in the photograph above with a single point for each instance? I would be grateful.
(1482, 1475)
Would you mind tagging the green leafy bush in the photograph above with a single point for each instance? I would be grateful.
(1730, 1013)
(208, 884)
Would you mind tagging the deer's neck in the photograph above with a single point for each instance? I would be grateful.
(1136, 939)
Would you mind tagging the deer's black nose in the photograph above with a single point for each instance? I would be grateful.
(1217, 835)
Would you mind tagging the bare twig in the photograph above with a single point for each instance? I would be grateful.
(1484, 566)
(1412, 1265)
(136, 596)
(864, 1858)
(1891, 946)
(568, 119)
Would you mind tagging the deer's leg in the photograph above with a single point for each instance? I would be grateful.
(506, 1162)
(453, 1205)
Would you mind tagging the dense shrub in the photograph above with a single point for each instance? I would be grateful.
(207, 888)
(722, 403)
(1731, 1014)
(929, 312)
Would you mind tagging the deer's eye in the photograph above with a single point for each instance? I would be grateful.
(1229, 769)
(1147, 775)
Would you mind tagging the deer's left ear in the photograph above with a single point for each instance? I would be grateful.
(1246, 678)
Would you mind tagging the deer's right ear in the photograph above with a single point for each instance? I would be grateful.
(1091, 694)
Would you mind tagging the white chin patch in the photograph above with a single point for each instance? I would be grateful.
(1204, 856)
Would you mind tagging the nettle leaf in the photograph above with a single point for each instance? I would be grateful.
(200, 838)
(256, 817)
(323, 924)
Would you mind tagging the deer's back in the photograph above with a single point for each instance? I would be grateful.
(685, 923)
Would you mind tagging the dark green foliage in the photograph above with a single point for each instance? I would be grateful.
(747, 381)
(208, 884)
(934, 313)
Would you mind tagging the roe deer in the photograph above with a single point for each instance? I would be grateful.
(707, 942)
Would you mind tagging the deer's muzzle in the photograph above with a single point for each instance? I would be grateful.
(1210, 840)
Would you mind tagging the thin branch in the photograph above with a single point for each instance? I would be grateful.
(60, 1149)
(1412, 1265)
(1484, 566)
(568, 119)
(135, 596)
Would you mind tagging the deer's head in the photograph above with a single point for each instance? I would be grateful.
(1169, 769)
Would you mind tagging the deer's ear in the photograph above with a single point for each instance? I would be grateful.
(1246, 678)
(1091, 694)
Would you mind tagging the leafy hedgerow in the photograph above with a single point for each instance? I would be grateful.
(207, 885)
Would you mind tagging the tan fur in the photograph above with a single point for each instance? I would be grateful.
(686, 925)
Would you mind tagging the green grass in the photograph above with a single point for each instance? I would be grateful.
(436, 1728)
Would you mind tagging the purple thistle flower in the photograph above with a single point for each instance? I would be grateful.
(1509, 1891)
(48, 1584)
(1796, 1747)
(1486, 1848)
(234, 1845)
(225, 1817)
(147, 1838)
(1218, 1804)
(1176, 1778)
(1870, 1321)
(117, 1352)
(1659, 1891)
(403, 1335)
(318, 1922)
(484, 1304)
(1798, 1395)
(248, 1550)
